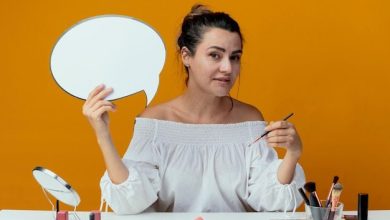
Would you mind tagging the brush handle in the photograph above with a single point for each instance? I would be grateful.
(331, 215)
(304, 196)
(313, 200)
(329, 196)
(327, 203)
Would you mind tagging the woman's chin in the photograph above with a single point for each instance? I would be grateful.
(221, 93)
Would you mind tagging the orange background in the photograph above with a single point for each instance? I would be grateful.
(326, 61)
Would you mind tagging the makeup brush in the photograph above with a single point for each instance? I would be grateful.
(313, 197)
(265, 133)
(336, 192)
(335, 179)
(303, 194)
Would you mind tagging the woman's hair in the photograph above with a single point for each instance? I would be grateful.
(196, 23)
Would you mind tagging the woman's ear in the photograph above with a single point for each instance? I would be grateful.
(185, 54)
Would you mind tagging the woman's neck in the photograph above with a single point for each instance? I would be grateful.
(204, 108)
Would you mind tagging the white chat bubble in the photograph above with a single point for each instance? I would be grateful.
(118, 51)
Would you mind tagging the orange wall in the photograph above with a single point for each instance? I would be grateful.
(326, 61)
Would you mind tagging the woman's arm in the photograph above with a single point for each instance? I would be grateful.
(286, 169)
(266, 191)
(96, 110)
(116, 169)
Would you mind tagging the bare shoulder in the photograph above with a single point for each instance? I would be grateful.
(247, 112)
(156, 112)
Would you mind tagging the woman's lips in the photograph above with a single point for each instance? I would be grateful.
(222, 79)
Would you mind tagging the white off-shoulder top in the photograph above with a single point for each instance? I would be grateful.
(179, 167)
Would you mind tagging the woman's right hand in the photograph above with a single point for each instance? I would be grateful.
(96, 110)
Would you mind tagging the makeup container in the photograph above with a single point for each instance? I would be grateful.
(362, 206)
(322, 213)
(62, 215)
(95, 215)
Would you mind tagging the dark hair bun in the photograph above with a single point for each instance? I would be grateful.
(198, 9)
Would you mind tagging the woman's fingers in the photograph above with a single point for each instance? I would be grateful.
(280, 140)
(96, 110)
(101, 95)
(97, 94)
(281, 132)
(96, 115)
(95, 105)
(101, 103)
(278, 125)
(94, 92)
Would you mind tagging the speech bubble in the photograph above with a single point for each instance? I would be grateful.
(118, 51)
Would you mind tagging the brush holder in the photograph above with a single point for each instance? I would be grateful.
(323, 213)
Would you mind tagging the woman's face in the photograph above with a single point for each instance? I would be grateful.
(216, 63)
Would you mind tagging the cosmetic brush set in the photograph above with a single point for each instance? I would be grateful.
(331, 208)
(322, 210)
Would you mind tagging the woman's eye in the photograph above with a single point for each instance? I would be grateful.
(215, 56)
(235, 57)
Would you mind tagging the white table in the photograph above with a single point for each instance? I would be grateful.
(47, 215)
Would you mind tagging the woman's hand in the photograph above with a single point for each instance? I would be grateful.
(283, 134)
(96, 110)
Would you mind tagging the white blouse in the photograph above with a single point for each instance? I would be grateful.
(179, 167)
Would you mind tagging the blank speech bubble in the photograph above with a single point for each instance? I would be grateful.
(118, 51)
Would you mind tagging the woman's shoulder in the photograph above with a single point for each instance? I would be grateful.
(160, 111)
(246, 112)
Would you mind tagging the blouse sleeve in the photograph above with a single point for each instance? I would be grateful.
(140, 190)
(265, 192)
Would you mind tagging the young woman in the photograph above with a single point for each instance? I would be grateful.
(195, 152)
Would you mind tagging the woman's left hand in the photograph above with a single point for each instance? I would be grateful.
(283, 134)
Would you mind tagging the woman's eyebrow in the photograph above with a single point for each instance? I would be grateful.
(224, 50)
(218, 48)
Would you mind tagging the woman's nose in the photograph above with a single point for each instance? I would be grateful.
(226, 66)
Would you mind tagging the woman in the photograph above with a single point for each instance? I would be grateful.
(194, 153)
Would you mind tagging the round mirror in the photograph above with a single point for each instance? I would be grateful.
(56, 186)
(118, 51)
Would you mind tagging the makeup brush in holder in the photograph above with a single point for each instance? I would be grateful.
(336, 192)
(313, 197)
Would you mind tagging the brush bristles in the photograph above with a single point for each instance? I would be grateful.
(337, 190)
(310, 187)
(335, 179)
